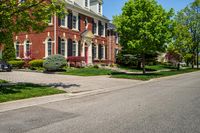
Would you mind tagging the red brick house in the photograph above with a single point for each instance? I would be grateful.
(84, 32)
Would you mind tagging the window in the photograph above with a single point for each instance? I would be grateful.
(21, 1)
(50, 20)
(95, 27)
(17, 49)
(100, 8)
(74, 48)
(63, 21)
(61, 46)
(86, 3)
(94, 51)
(27, 48)
(101, 51)
(49, 47)
(74, 22)
(102, 30)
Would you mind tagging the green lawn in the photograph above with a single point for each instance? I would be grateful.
(22, 91)
(151, 75)
(148, 68)
(87, 71)
(2, 81)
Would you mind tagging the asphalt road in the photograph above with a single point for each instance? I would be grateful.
(169, 105)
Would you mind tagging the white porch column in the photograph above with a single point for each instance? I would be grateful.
(66, 49)
(90, 54)
(83, 50)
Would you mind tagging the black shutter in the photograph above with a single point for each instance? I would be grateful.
(99, 27)
(106, 32)
(99, 51)
(59, 45)
(79, 48)
(70, 20)
(79, 22)
(69, 47)
(93, 26)
(106, 52)
(59, 21)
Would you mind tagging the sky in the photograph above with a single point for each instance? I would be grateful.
(113, 7)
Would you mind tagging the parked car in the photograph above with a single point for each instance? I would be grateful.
(4, 66)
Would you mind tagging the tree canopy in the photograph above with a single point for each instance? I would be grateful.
(26, 15)
(144, 27)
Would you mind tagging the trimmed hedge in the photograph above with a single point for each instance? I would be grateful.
(17, 64)
(36, 64)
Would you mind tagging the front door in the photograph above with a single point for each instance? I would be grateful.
(86, 55)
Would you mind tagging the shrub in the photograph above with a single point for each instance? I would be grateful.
(54, 62)
(76, 61)
(36, 64)
(96, 66)
(17, 64)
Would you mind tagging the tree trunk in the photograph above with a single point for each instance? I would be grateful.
(143, 64)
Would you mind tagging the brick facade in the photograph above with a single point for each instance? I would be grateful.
(38, 47)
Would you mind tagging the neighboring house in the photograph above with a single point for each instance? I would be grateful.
(83, 32)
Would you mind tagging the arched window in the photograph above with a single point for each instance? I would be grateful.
(17, 49)
(27, 48)
(49, 47)
(74, 45)
(61, 46)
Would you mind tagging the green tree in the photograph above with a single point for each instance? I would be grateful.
(182, 41)
(29, 15)
(9, 50)
(190, 17)
(144, 27)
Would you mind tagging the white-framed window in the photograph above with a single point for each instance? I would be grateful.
(94, 51)
(27, 50)
(100, 8)
(17, 49)
(74, 48)
(102, 29)
(62, 47)
(48, 47)
(49, 43)
(95, 26)
(63, 21)
(74, 25)
(75, 21)
(50, 20)
(86, 3)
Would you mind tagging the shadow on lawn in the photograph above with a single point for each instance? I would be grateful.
(12, 88)
(135, 74)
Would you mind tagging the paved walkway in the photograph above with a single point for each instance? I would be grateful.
(69, 83)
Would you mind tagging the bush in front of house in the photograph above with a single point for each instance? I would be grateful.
(34, 64)
(54, 62)
(17, 64)
(76, 61)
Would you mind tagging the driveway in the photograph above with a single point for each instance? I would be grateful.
(70, 83)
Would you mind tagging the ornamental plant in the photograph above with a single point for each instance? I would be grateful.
(54, 62)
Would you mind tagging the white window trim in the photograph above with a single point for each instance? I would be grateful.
(51, 23)
(97, 27)
(17, 57)
(65, 40)
(66, 22)
(88, 7)
(100, 13)
(75, 14)
(25, 56)
(103, 24)
(46, 46)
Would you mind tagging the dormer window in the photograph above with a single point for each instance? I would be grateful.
(100, 8)
(86, 3)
